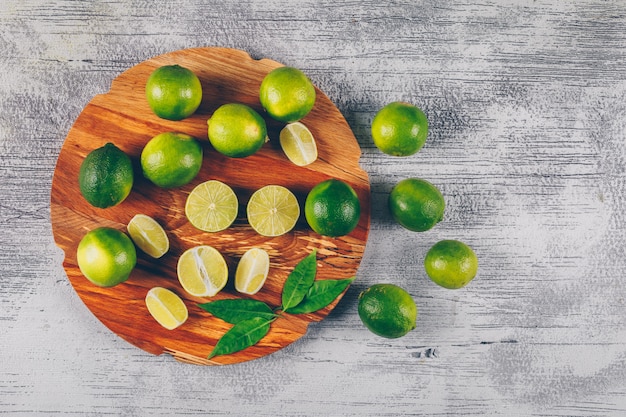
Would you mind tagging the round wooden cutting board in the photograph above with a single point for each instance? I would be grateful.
(122, 116)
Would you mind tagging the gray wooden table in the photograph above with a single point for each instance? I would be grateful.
(527, 105)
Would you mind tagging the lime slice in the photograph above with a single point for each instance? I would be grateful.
(252, 271)
(148, 235)
(202, 271)
(212, 206)
(166, 307)
(298, 144)
(273, 210)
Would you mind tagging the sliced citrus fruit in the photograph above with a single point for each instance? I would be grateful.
(202, 271)
(148, 235)
(273, 210)
(212, 206)
(252, 271)
(298, 144)
(166, 307)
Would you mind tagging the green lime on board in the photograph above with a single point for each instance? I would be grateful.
(399, 129)
(287, 94)
(237, 130)
(173, 92)
(451, 264)
(387, 310)
(106, 176)
(416, 204)
(106, 256)
(332, 208)
(171, 159)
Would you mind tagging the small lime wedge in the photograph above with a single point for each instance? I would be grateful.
(252, 271)
(298, 144)
(166, 307)
(148, 235)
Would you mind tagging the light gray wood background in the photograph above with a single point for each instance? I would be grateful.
(527, 105)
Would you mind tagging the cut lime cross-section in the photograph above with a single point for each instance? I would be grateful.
(273, 210)
(166, 307)
(148, 235)
(212, 206)
(252, 271)
(202, 271)
(298, 144)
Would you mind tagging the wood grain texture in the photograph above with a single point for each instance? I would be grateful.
(122, 117)
(526, 104)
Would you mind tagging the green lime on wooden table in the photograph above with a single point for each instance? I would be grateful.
(173, 92)
(106, 176)
(212, 206)
(171, 159)
(106, 256)
(416, 204)
(273, 210)
(399, 129)
(332, 208)
(387, 310)
(236, 130)
(451, 264)
(287, 94)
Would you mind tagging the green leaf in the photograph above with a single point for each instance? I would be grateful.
(236, 310)
(299, 281)
(242, 335)
(320, 295)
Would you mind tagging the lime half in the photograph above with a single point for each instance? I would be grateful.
(212, 206)
(273, 210)
(202, 271)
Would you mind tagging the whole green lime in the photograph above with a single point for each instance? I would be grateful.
(400, 129)
(173, 92)
(106, 176)
(451, 264)
(332, 208)
(106, 256)
(387, 310)
(416, 204)
(287, 94)
(171, 159)
(237, 130)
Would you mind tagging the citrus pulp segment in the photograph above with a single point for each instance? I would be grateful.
(273, 210)
(202, 271)
(212, 206)
(148, 235)
(166, 307)
(298, 144)
(252, 271)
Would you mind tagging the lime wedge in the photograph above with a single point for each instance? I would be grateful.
(148, 235)
(273, 210)
(166, 307)
(202, 271)
(298, 144)
(212, 206)
(252, 271)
